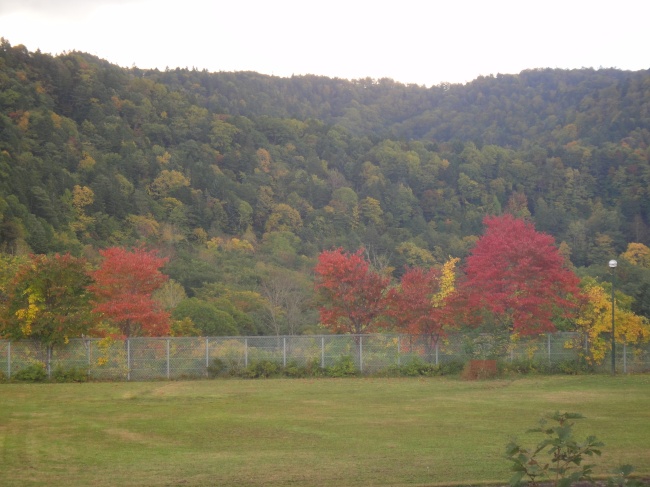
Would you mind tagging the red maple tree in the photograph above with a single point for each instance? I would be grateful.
(516, 277)
(413, 307)
(123, 289)
(351, 293)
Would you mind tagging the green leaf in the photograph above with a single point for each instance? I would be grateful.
(516, 479)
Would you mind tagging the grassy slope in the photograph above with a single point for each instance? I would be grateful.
(328, 432)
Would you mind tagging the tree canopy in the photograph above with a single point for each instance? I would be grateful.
(48, 300)
(517, 279)
(123, 287)
(240, 179)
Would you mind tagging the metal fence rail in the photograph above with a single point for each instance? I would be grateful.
(139, 359)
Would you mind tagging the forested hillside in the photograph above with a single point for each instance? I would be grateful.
(242, 179)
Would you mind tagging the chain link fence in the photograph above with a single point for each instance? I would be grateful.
(141, 359)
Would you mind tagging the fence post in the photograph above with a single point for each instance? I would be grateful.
(360, 353)
(48, 357)
(167, 359)
(284, 351)
(399, 356)
(207, 352)
(322, 352)
(89, 356)
(9, 360)
(246, 352)
(128, 359)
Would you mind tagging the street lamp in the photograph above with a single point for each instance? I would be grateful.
(612, 266)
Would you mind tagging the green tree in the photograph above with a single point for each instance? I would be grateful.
(207, 318)
(48, 300)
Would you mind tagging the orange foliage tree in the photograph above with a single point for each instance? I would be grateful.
(123, 289)
(351, 293)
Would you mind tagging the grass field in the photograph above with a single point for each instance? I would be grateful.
(291, 432)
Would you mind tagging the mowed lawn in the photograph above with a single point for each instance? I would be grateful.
(295, 432)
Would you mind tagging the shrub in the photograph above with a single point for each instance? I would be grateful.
(263, 369)
(313, 368)
(526, 366)
(480, 369)
(231, 353)
(520, 366)
(34, 372)
(344, 367)
(294, 370)
(622, 478)
(453, 367)
(557, 458)
(69, 375)
(573, 367)
(416, 367)
(217, 368)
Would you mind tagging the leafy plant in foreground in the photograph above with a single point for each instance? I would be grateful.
(558, 458)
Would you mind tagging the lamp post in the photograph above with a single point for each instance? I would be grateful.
(612, 266)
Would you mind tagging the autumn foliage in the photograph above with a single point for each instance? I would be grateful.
(417, 304)
(123, 289)
(47, 300)
(516, 279)
(595, 319)
(351, 293)
(356, 299)
(411, 304)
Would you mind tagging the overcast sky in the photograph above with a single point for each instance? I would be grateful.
(423, 42)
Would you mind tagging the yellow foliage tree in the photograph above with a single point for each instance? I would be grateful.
(23, 121)
(637, 254)
(236, 244)
(595, 319)
(82, 196)
(415, 256)
(168, 181)
(371, 210)
(145, 226)
(164, 158)
(447, 281)
(284, 218)
(87, 163)
(264, 160)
